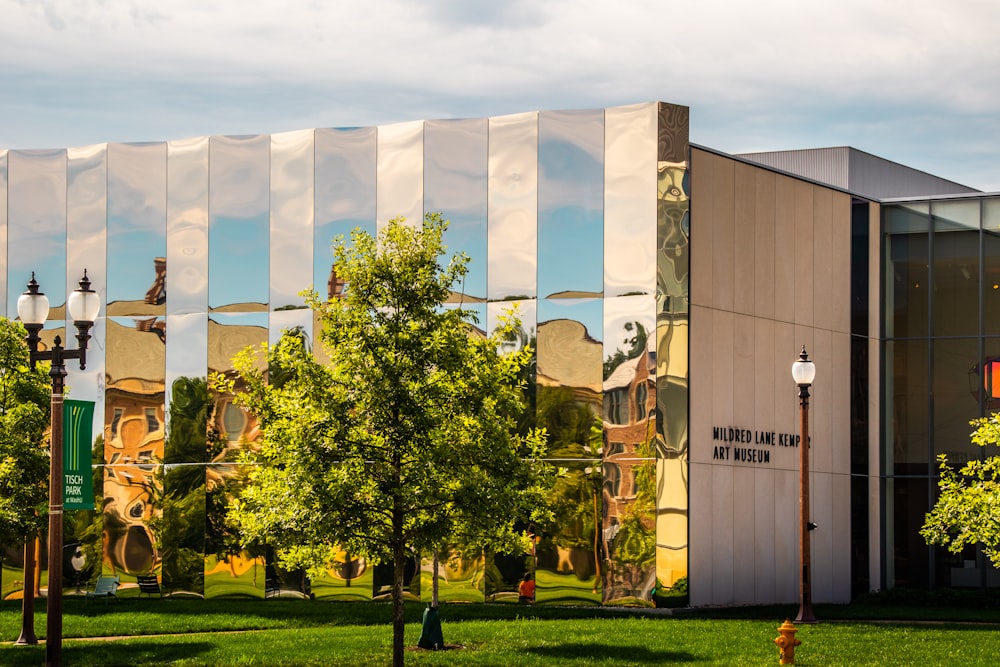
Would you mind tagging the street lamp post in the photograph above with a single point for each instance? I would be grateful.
(804, 372)
(83, 305)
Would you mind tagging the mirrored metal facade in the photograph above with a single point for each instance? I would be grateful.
(200, 247)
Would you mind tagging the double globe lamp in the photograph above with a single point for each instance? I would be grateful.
(83, 305)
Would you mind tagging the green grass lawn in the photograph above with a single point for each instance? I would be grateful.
(288, 632)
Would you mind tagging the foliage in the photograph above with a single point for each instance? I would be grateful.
(406, 439)
(24, 419)
(967, 511)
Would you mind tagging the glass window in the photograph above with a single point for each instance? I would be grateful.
(955, 251)
(991, 266)
(906, 271)
(907, 422)
(955, 401)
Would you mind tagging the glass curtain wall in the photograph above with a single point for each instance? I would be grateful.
(939, 351)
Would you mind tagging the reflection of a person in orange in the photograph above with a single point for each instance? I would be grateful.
(526, 590)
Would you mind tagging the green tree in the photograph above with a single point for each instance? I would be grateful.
(967, 511)
(24, 461)
(406, 439)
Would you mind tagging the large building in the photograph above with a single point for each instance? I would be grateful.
(665, 287)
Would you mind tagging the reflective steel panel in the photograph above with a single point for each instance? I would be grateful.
(238, 223)
(86, 248)
(133, 441)
(290, 319)
(512, 200)
(137, 229)
(229, 570)
(187, 226)
(569, 561)
(400, 185)
(345, 196)
(36, 227)
(292, 199)
(630, 177)
(628, 529)
(455, 178)
(571, 204)
(672, 368)
(460, 579)
(3, 230)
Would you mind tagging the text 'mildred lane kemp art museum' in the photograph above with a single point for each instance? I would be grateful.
(666, 288)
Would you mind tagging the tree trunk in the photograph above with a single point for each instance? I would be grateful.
(28, 595)
(434, 581)
(399, 563)
(597, 543)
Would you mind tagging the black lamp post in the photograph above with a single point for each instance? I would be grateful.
(804, 372)
(83, 305)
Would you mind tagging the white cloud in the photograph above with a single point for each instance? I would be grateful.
(143, 70)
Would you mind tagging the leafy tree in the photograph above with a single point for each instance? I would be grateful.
(24, 462)
(406, 439)
(968, 510)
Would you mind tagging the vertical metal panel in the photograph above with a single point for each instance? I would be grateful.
(400, 185)
(512, 235)
(455, 179)
(36, 227)
(291, 205)
(345, 195)
(570, 203)
(629, 200)
(238, 223)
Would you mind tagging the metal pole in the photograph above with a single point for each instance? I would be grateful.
(805, 614)
(53, 625)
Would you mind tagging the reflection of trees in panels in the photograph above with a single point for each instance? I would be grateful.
(671, 448)
(137, 228)
(571, 203)
(526, 313)
(455, 158)
(673, 232)
(569, 553)
(292, 200)
(345, 196)
(239, 176)
(133, 441)
(229, 569)
(36, 226)
(460, 579)
(628, 527)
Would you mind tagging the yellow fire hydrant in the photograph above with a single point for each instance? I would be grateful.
(787, 643)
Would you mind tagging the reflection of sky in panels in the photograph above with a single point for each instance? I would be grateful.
(187, 226)
(36, 225)
(455, 156)
(86, 233)
(137, 214)
(630, 200)
(187, 348)
(626, 311)
(283, 320)
(238, 223)
(345, 193)
(292, 178)
(570, 202)
(3, 230)
(400, 184)
(588, 312)
(513, 206)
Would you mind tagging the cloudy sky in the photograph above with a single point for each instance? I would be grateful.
(911, 80)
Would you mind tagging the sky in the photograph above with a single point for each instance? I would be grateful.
(913, 81)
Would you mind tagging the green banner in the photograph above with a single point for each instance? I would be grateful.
(78, 479)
